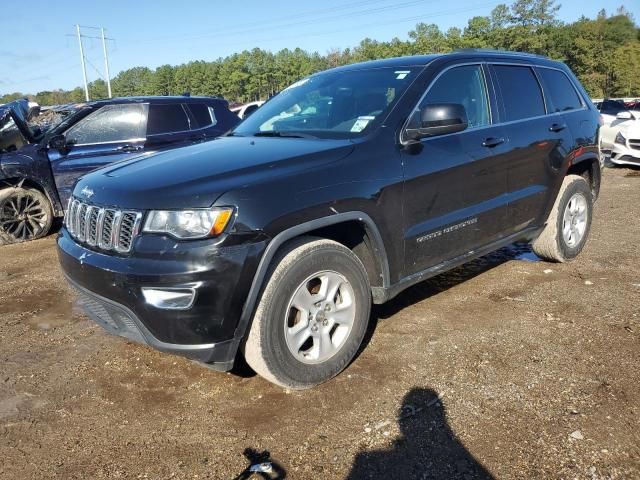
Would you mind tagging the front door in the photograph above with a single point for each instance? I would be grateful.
(454, 196)
(110, 134)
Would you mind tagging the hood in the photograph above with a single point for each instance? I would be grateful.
(195, 176)
(631, 128)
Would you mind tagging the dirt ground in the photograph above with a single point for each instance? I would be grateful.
(506, 368)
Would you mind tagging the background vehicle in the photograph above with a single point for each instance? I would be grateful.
(38, 169)
(616, 117)
(346, 188)
(609, 109)
(625, 149)
(243, 111)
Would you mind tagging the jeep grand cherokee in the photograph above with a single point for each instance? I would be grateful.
(343, 190)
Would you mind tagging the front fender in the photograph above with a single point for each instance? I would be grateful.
(18, 168)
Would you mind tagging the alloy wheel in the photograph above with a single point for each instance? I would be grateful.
(319, 317)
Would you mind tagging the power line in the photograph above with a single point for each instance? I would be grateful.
(261, 23)
(366, 25)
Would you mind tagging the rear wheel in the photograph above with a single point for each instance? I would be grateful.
(25, 214)
(567, 229)
(312, 315)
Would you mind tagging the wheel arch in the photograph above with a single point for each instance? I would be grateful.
(587, 166)
(326, 227)
(17, 182)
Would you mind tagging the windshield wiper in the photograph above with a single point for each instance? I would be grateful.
(280, 133)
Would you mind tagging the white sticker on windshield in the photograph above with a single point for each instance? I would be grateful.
(361, 123)
(297, 84)
(400, 74)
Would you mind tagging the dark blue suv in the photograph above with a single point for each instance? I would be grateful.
(38, 169)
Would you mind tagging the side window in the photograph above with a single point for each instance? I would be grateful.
(520, 91)
(560, 92)
(249, 110)
(464, 85)
(167, 118)
(111, 123)
(203, 115)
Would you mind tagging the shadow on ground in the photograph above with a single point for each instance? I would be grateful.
(427, 448)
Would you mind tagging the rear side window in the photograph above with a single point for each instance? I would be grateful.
(167, 118)
(203, 115)
(612, 107)
(463, 85)
(111, 123)
(520, 91)
(561, 95)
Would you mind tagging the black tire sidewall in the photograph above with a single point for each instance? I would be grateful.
(576, 186)
(282, 363)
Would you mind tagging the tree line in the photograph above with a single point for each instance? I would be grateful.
(603, 52)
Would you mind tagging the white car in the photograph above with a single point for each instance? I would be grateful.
(611, 127)
(625, 149)
(243, 111)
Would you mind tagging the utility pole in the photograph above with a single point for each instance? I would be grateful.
(106, 61)
(83, 59)
(84, 68)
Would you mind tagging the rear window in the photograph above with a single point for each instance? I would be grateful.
(521, 92)
(561, 94)
(203, 115)
(167, 118)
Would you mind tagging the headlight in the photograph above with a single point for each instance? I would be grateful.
(620, 139)
(185, 224)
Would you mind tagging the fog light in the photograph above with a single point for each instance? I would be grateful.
(170, 299)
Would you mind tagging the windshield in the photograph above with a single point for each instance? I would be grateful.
(342, 104)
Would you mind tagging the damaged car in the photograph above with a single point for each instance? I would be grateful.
(39, 166)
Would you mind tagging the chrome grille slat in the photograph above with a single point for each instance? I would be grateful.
(105, 228)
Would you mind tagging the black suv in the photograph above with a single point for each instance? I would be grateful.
(38, 168)
(346, 188)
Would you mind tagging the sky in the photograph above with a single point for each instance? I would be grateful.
(40, 50)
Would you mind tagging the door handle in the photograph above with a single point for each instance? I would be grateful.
(557, 127)
(492, 142)
(129, 148)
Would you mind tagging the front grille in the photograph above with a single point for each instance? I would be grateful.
(634, 143)
(104, 228)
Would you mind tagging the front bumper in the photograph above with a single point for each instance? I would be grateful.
(109, 289)
(624, 155)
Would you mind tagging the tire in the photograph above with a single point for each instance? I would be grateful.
(569, 223)
(274, 346)
(25, 214)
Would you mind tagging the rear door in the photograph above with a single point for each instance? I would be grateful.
(538, 144)
(110, 134)
(169, 125)
(454, 194)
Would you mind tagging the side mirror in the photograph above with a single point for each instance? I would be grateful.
(58, 142)
(437, 119)
(624, 115)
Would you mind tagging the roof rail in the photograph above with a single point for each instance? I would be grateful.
(493, 50)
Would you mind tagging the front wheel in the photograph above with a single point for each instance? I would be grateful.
(567, 229)
(312, 315)
(25, 214)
